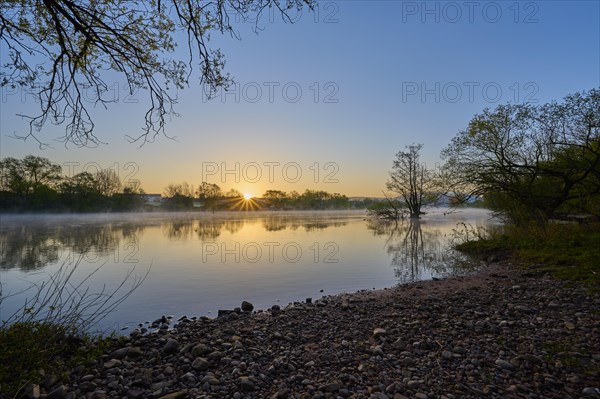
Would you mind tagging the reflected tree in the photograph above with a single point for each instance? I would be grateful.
(416, 249)
(191, 229)
(27, 249)
(33, 247)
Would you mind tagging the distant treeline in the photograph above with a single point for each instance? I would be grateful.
(35, 184)
(209, 196)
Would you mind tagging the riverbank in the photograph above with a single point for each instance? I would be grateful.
(498, 333)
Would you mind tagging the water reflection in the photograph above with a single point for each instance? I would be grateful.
(183, 230)
(418, 250)
(282, 222)
(27, 249)
(31, 246)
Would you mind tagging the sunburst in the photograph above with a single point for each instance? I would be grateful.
(246, 202)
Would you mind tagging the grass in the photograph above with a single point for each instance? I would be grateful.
(50, 333)
(567, 250)
(32, 349)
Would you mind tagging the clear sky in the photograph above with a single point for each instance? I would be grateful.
(326, 102)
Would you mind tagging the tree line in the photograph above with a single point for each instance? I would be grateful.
(210, 196)
(37, 184)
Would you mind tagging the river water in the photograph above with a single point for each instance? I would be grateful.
(195, 264)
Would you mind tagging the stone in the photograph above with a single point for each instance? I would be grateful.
(112, 363)
(569, 325)
(592, 392)
(447, 355)
(210, 379)
(379, 332)
(99, 394)
(200, 364)
(247, 306)
(32, 391)
(59, 392)
(200, 350)
(49, 381)
(135, 394)
(377, 351)
(333, 387)
(503, 364)
(412, 384)
(246, 385)
(119, 353)
(171, 347)
(175, 395)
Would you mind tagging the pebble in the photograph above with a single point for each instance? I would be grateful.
(247, 306)
(504, 364)
(172, 346)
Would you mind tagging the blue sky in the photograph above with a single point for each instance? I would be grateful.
(335, 95)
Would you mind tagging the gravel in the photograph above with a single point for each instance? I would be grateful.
(500, 333)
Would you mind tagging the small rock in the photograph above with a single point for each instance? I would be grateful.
(32, 391)
(98, 395)
(175, 395)
(503, 364)
(224, 312)
(58, 393)
(246, 385)
(135, 394)
(412, 384)
(247, 306)
(200, 350)
(49, 381)
(119, 353)
(211, 380)
(379, 332)
(171, 347)
(112, 363)
(593, 392)
(333, 387)
(569, 325)
(200, 364)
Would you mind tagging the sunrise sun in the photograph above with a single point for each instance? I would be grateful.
(247, 196)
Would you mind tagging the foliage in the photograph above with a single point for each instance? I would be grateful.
(276, 198)
(412, 181)
(28, 347)
(36, 184)
(532, 162)
(310, 199)
(28, 178)
(66, 48)
(51, 330)
(389, 209)
(568, 250)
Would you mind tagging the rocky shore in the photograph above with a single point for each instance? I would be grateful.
(500, 333)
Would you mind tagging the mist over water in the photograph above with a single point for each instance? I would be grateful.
(198, 263)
